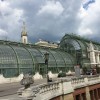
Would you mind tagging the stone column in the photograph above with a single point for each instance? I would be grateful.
(87, 89)
(98, 58)
(92, 53)
(92, 57)
(87, 94)
(98, 63)
(67, 92)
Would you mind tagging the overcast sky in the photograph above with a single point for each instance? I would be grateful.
(48, 19)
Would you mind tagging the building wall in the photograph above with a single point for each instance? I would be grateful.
(68, 97)
(64, 97)
(46, 44)
(24, 39)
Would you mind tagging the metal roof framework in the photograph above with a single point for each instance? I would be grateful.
(78, 47)
(16, 58)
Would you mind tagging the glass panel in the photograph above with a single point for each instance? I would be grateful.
(82, 45)
(9, 72)
(38, 57)
(59, 60)
(52, 60)
(73, 42)
(7, 57)
(26, 70)
(24, 58)
(66, 58)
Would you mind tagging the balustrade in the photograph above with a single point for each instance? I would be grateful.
(77, 82)
(61, 87)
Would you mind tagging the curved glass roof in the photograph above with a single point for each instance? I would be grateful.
(16, 58)
(23, 56)
(78, 47)
(7, 57)
(77, 42)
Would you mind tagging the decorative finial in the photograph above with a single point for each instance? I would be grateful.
(24, 33)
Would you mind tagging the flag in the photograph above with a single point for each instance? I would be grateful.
(87, 3)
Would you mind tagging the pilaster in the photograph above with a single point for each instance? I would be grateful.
(87, 94)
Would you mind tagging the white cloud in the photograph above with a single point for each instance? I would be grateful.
(10, 20)
(4, 8)
(82, 13)
(3, 32)
(85, 31)
(51, 7)
(48, 19)
(9, 14)
(16, 16)
(89, 19)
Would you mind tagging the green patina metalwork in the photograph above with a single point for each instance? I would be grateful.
(32, 60)
(17, 61)
(16, 58)
(78, 47)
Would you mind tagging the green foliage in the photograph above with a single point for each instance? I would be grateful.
(84, 70)
(62, 74)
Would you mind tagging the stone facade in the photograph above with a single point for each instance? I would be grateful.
(46, 44)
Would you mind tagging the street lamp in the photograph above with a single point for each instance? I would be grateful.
(46, 57)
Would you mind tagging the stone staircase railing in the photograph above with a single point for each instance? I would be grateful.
(83, 81)
(46, 91)
(54, 89)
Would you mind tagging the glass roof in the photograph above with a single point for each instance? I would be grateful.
(27, 57)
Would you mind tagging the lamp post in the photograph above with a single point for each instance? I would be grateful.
(46, 56)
